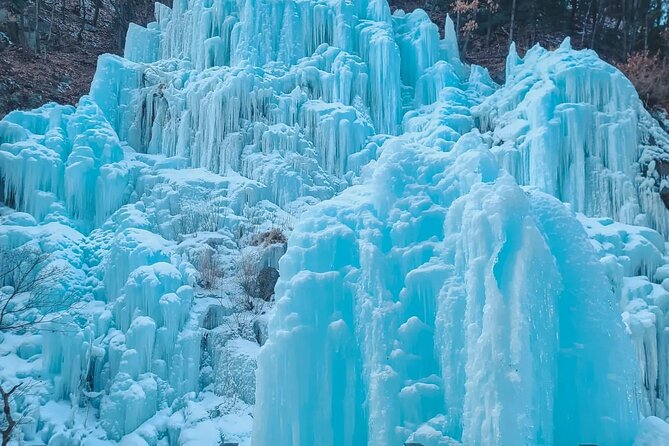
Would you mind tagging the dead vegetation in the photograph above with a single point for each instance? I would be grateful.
(29, 295)
(649, 73)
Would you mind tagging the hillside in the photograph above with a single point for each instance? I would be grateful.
(62, 69)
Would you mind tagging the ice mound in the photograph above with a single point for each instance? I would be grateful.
(439, 295)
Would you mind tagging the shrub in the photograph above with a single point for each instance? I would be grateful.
(247, 277)
(207, 215)
(648, 73)
(210, 269)
(272, 237)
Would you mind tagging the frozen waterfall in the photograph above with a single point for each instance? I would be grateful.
(467, 263)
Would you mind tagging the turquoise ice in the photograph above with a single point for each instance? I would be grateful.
(460, 257)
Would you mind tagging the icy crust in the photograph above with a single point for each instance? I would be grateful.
(652, 432)
(572, 125)
(439, 296)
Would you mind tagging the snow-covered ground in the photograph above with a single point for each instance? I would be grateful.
(460, 262)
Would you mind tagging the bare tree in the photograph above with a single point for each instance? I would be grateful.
(247, 277)
(9, 423)
(8, 429)
(29, 296)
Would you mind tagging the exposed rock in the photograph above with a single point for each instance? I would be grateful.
(267, 278)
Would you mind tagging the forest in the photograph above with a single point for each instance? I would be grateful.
(631, 34)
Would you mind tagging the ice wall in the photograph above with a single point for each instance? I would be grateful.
(635, 261)
(227, 85)
(573, 125)
(439, 293)
(57, 154)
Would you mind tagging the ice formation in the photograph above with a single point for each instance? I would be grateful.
(461, 256)
(574, 127)
(449, 297)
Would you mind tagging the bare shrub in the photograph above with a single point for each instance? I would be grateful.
(29, 285)
(210, 269)
(648, 73)
(247, 278)
(206, 215)
(246, 306)
(249, 230)
(242, 319)
(272, 237)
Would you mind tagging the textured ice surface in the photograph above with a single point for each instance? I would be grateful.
(652, 432)
(444, 292)
(461, 257)
(572, 125)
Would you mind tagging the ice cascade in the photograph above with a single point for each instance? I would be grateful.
(440, 303)
(460, 256)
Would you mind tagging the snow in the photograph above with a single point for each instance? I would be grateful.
(652, 432)
(461, 255)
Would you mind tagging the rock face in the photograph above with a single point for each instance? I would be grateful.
(17, 23)
(267, 278)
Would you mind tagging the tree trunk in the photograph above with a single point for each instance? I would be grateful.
(585, 22)
(513, 21)
(37, 46)
(574, 10)
(488, 29)
(625, 26)
(83, 20)
(10, 422)
(124, 15)
(597, 20)
(53, 17)
(457, 24)
(96, 12)
(645, 29)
